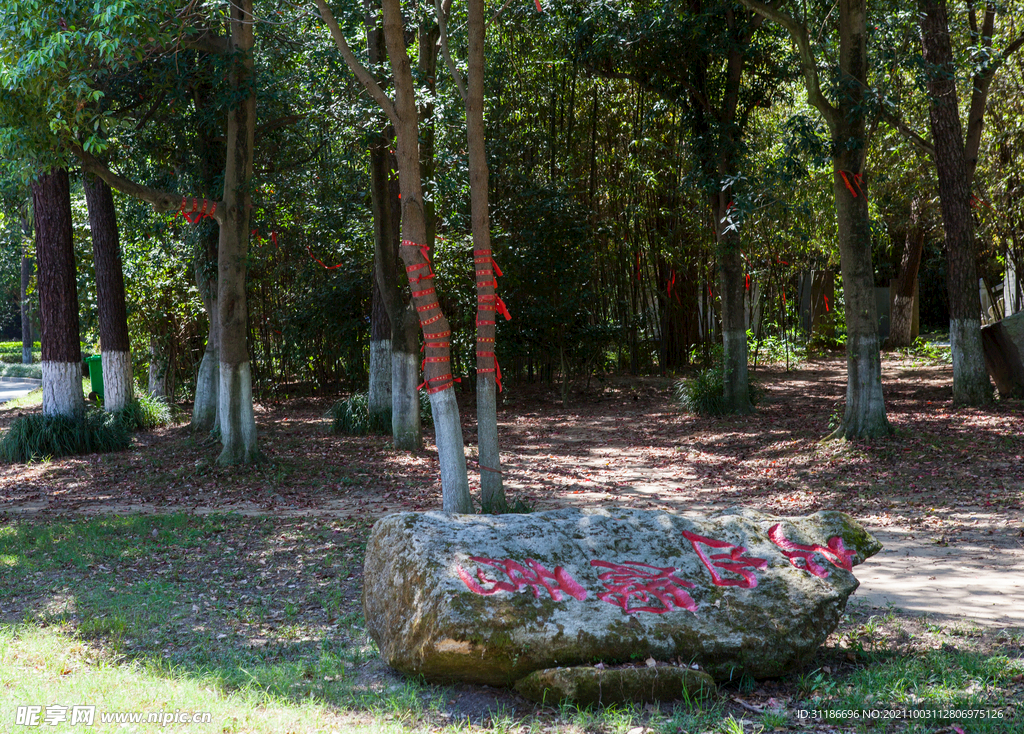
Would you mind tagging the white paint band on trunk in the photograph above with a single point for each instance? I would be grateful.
(62, 389)
(117, 380)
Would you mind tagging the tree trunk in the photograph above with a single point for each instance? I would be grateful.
(415, 254)
(731, 284)
(406, 429)
(159, 368)
(28, 268)
(58, 296)
(492, 492)
(901, 321)
(237, 422)
(865, 407)
(205, 416)
(115, 345)
(971, 384)
(379, 396)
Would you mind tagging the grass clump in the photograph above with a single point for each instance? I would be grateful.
(704, 394)
(33, 371)
(144, 413)
(37, 436)
(351, 416)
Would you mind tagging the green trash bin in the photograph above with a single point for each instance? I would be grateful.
(95, 363)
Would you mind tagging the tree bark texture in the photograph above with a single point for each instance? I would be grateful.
(237, 423)
(58, 295)
(415, 253)
(115, 344)
(901, 320)
(489, 305)
(971, 384)
(159, 368)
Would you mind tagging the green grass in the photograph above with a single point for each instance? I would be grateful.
(351, 416)
(257, 620)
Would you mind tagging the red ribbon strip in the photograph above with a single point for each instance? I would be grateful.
(496, 369)
(482, 256)
(194, 216)
(493, 302)
(439, 388)
(856, 180)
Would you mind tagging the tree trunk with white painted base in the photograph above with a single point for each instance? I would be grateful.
(415, 254)
(118, 377)
(58, 296)
(205, 409)
(492, 490)
(865, 408)
(971, 385)
(237, 422)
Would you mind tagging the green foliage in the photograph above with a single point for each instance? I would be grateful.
(33, 371)
(144, 413)
(34, 437)
(704, 394)
(351, 416)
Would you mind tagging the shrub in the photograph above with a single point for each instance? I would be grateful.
(704, 394)
(38, 436)
(351, 416)
(144, 413)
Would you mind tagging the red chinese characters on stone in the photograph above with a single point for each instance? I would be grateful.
(802, 556)
(639, 587)
(532, 575)
(734, 561)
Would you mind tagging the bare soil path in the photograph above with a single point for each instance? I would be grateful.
(946, 494)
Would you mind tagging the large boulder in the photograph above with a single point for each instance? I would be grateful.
(489, 599)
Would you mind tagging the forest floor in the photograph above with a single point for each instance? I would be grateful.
(950, 480)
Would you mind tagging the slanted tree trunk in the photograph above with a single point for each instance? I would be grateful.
(237, 422)
(118, 378)
(901, 321)
(971, 385)
(28, 269)
(415, 251)
(58, 295)
(492, 492)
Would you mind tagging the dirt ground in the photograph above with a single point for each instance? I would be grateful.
(946, 473)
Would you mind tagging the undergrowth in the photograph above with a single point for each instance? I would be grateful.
(36, 436)
(351, 416)
(704, 393)
(144, 413)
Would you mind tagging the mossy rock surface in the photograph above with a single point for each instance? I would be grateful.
(490, 599)
(586, 685)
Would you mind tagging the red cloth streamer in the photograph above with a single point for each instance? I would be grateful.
(439, 388)
(496, 369)
(537, 4)
(671, 283)
(826, 302)
(314, 257)
(482, 256)
(748, 281)
(424, 249)
(493, 302)
(856, 181)
(196, 215)
(427, 292)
